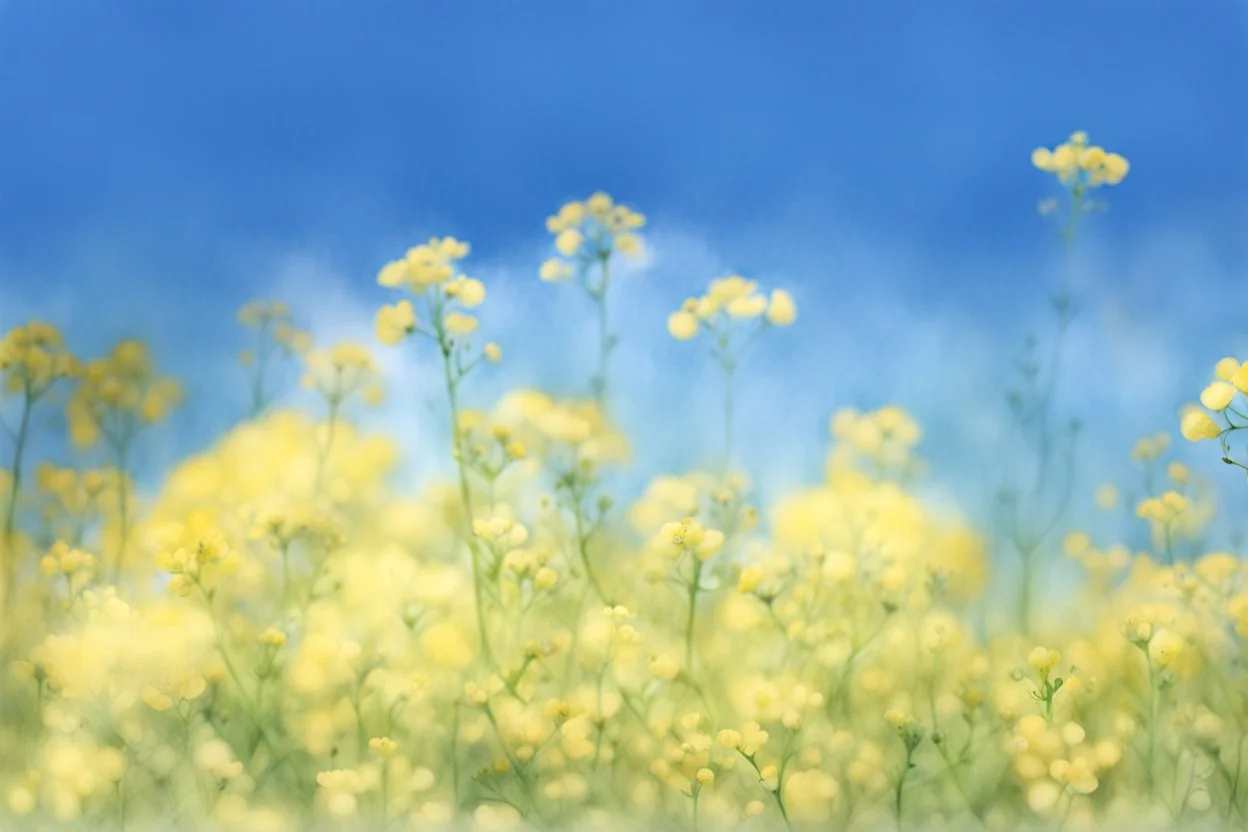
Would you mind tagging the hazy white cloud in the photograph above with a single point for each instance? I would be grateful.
(873, 329)
(858, 343)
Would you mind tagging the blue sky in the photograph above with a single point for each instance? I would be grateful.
(161, 163)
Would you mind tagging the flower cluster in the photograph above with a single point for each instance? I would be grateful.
(729, 302)
(32, 358)
(590, 232)
(275, 337)
(1221, 400)
(341, 371)
(117, 395)
(1079, 165)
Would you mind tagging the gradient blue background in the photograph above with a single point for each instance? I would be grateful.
(161, 163)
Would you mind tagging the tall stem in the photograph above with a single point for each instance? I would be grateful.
(322, 459)
(582, 545)
(1025, 589)
(775, 793)
(465, 496)
(728, 373)
(10, 509)
(604, 336)
(285, 553)
(385, 793)
(123, 511)
(901, 786)
(1046, 392)
(1152, 721)
(691, 617)
(257, 380)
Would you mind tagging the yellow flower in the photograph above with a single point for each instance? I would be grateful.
(1043, 796)
(781, 310)
(1179, 473)
(1106, 497)
(753, 737)
(470, 293)
(545, 578)
(1195, 425)
(1091, 158)
(628, 244)
(273, 637)
(1218, 396)
(393, 275)
(1165, 647)
(395, 322)
(664, 667)
(1116, 168)
(711, 543)
(1076, 544)
(599, 204)
(748, 306)
(898, 718)
(569, 242)
(555, 270)
(1226, 369)
(682, 326)
(493, 352)
(1063, 160)
(1043, 660)
(1240, 379)
(383, 747)
(457, 323)
(750, 578)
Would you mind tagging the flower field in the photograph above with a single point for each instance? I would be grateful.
(277, 637)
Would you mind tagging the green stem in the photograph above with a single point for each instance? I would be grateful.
(465, 495)
(775, 793)
(322, 458)
(582, 545)
(1070, 802)
(604, 336)
(10, 510)
(728, 407)
(691, 617)
(285, 553)
(952, 767)
(385, 793)
(1239, 762)
(455, 786)
(1152, 722)
(901, 785)
(257, 380)
(250, 707)
(361, 736)
(1025, 589)
(123, 513)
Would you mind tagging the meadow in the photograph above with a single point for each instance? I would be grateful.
(279, 637)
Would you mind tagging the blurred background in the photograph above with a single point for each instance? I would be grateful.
(161, 164)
